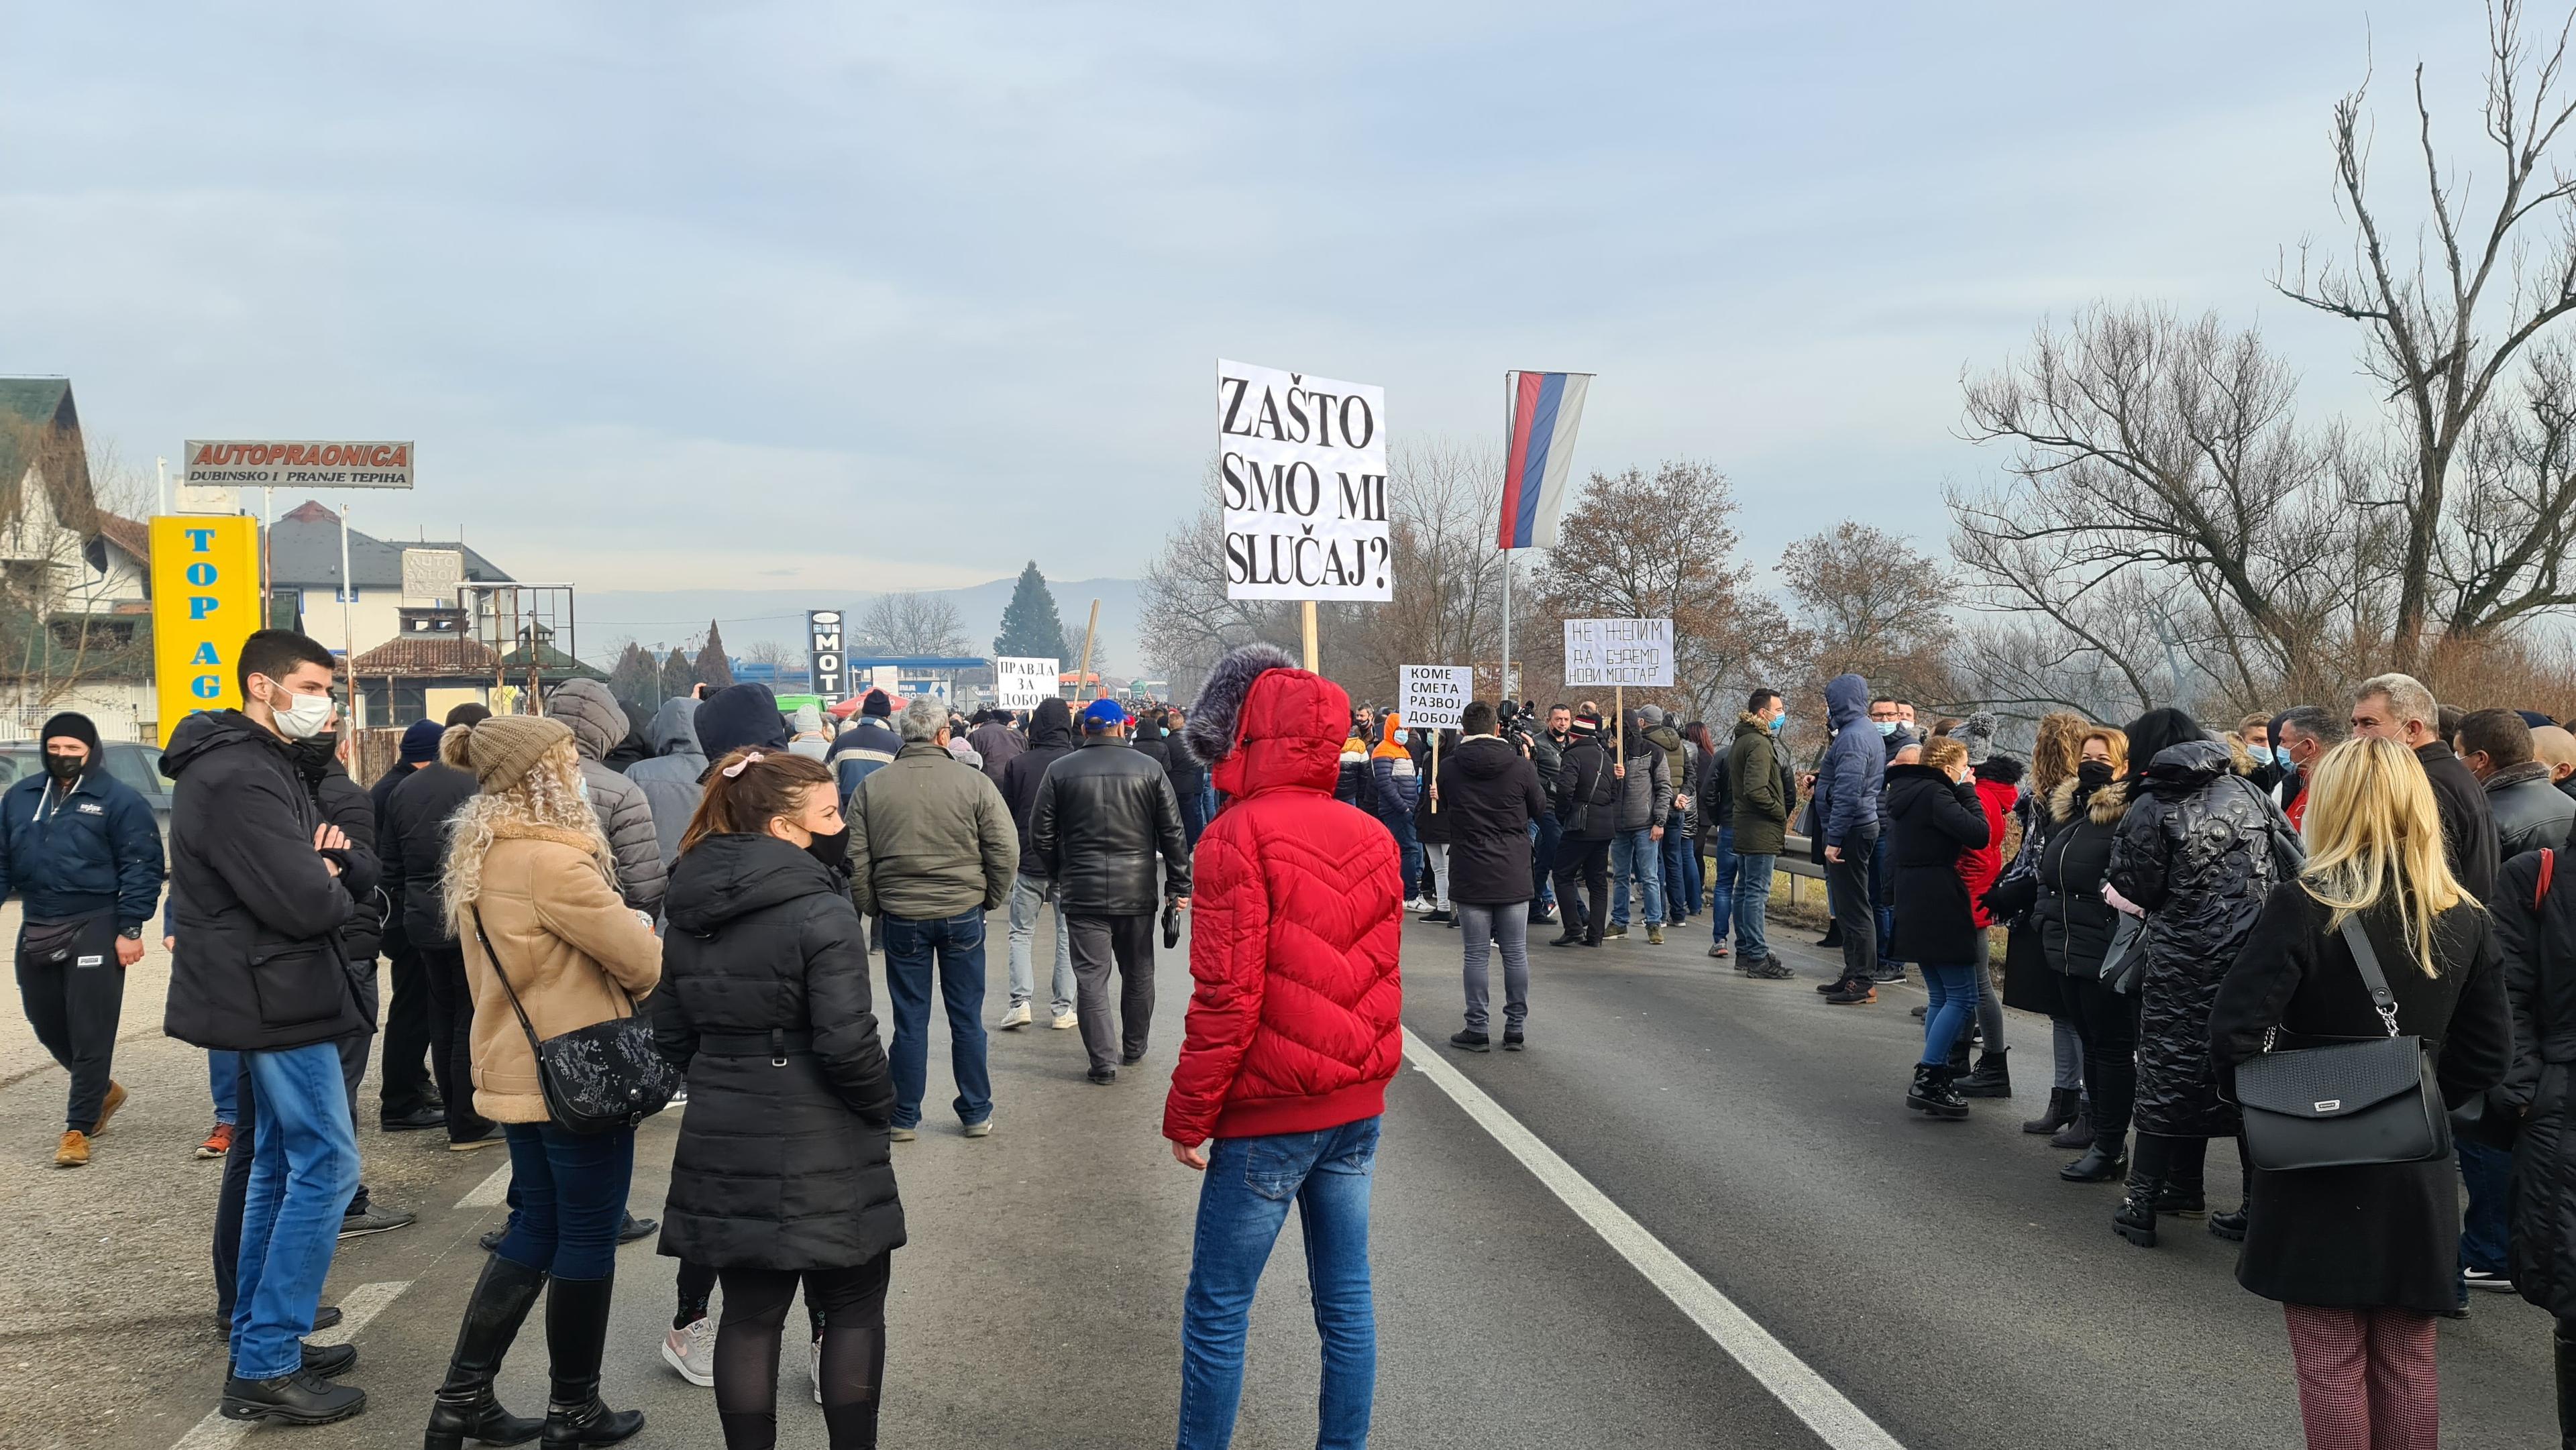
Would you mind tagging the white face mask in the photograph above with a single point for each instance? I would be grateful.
(303, 716)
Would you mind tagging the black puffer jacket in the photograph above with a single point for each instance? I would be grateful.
(1489, 794)
(1586, 797)
(2535, 934)
(778, 1167)
(412, 837)
(1931, 820)
(2195, 853)
(257, 914)
(344, 803)
(2075, 923)
(1050, 740)
(1101, 815)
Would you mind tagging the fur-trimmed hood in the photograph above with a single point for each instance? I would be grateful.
(1210, 735)
(2105, 808)
(2001, 769)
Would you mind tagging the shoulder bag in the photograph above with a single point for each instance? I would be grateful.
(2347, 1103)
(2127, 956)
(599, 1078)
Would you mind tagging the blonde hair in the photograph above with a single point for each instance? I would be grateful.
(1945, 753)
(2112, 736)
(2061, 744)
(547, 798)
(2374, 833)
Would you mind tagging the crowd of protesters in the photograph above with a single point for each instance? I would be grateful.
(2177, 901)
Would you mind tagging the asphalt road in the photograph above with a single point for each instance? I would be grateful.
(1937, 1275)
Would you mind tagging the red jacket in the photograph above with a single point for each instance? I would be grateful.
(1980, 867)
(1295, 914)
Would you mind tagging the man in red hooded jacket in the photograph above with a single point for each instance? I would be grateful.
(1294, 1030)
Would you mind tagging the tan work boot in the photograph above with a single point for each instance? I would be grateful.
(74, 1153)
(1654, 936)
(116, 1096)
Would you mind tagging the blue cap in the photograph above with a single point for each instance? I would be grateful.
(420, 741)
(1101, 715)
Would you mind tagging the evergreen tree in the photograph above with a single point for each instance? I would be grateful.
(1031, 628)
(678, 676)
(637, 677)
(714, 670)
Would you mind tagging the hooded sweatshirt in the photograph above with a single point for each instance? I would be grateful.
(669, 779)
(1855, 764)
(625, 816)
(1050, 739)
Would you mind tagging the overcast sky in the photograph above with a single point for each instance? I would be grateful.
(753, 296)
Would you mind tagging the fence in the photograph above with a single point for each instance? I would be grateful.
(21, 722)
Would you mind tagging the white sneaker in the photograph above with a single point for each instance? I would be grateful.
(1018, 1016)
(814, 1368)
(692, 1351)
(1065, 1021)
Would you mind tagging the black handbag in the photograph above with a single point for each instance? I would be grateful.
(2127, 956)
(2347, 1103)
(599, 1078)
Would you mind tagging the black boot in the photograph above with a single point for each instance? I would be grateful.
(1934, 1094)
(2231, 1226)
(1991, 1079)
(465, 1407)
(2098, 1165)
(2135, 1219)
(2078, 1133)
(2064, 1106)
(1959, 1056)
(2566, 1384)
(576, 1330)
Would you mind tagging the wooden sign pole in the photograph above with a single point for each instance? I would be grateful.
(1435, 772)
(1082, 668)
(1619, 723)
(1306, 623)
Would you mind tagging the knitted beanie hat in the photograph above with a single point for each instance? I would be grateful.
(502, 750)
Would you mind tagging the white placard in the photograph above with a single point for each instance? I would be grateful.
(1436, 696)
(432, 574)
(293, 463)
(1019, 684)
(1618, 652)
(1302, 478)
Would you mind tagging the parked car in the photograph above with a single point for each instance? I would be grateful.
(137, 765)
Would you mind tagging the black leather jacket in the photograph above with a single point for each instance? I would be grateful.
(1101, 814)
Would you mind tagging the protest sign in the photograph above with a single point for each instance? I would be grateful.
(1302, 470)
(1618, 652)
(1434, 696)
(1019, 684)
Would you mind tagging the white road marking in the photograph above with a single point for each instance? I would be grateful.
(357, 1308)
(1807, 1394)
(492, 1192)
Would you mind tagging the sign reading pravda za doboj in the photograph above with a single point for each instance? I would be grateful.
(1302, 478)
(205, 603)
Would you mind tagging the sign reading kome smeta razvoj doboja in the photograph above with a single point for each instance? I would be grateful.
(1435, 696)
(1302, 478)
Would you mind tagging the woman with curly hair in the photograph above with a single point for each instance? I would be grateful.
(2029, 982)
(531, 891)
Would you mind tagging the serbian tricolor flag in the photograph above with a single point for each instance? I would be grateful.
(1546, 409)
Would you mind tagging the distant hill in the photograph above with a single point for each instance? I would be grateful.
(607, 618)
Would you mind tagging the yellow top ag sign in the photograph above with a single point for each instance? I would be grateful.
(205, 603)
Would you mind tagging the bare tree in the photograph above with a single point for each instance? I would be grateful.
(1636, 546)
(2455, 332)
(1870, 603)
(1186, 621)
(913, 623)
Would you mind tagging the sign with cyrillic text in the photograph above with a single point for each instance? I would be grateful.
(1019, 684)
(1436, 696)
(1618, 652)
(233, 463)
(1301, 465)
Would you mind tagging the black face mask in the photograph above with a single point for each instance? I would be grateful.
(314, 752)
(832, 850)
(65, 768)
(2093, 774)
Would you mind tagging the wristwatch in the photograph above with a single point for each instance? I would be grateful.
(132, 933)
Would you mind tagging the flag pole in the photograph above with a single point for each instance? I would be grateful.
(1510, 393)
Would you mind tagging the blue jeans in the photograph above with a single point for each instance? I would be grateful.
(1250, 1182)
(1882, 891)
(223, 1074)
(304, 1166)
(1954, 1002)
(1681, 868)
(1721, 901)
(1634, 854)
(1751, 907)
(1409, 846)
(2486, 1234)
(568, 1196)
(958, 942)
(1545, 832)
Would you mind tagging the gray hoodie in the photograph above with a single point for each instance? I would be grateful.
(598, 722)
(670, 778)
